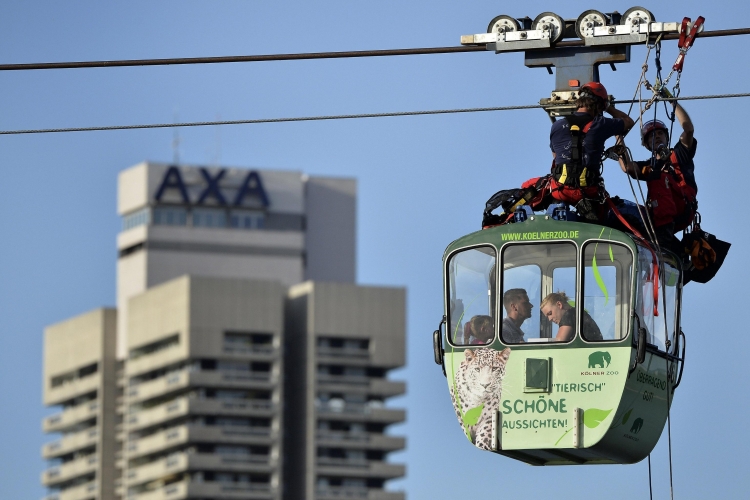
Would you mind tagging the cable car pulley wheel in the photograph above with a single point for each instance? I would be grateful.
(551, 22)
(635, 16)
(503, 24)
(587, 21)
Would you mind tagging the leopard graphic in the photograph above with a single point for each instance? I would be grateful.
(479, 380)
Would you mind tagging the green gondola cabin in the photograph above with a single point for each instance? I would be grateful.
(598, 394)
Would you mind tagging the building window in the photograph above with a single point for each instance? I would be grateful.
(135, 219)
(170, 216)
(246, 219)
(159, 345)
(209, 217)
(239, 342)
(74, 375)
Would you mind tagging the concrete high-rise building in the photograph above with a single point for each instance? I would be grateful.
(242, 361)
(342, 340)
(80, 377)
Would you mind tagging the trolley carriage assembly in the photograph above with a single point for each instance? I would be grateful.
(607, 38)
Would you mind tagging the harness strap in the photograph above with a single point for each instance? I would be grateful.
(575, 174)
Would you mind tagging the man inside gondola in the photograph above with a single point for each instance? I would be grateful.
(518, 309)
(556, 308)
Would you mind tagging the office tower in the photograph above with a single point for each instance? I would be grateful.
(219, 271)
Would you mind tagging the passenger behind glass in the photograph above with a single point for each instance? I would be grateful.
(479, 330)
(518, 309)
(556, 308)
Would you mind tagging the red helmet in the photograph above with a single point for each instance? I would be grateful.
(597, 89)
(651, 126)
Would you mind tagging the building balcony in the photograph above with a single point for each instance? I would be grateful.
(183, 406)
(229, 491)
(348, 492)
(197, 461)
(342, 354)
(360, 440)
(355, 412)
(155, 360)
(178, 436)
(360, 384)
(252, 352)
(72, 389)
(70, 417)
(184, 379)
(70, 470)
(70, 443)
(360, 468)
(85, 491)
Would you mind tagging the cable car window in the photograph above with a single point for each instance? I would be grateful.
(532, 312)
(606, 287)
(471, 288)
(660, 327)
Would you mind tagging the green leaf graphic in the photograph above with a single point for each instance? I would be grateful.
(471, 417)
(564, 433)
(626, 416)
(611, 257)
(599, 280)
(593, 417)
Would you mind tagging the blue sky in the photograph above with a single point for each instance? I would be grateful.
(422, 183)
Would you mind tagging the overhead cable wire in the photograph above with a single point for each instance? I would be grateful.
(309, 55)
(329, 117)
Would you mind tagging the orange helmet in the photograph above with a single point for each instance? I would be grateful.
(651, 126)
(597, 89)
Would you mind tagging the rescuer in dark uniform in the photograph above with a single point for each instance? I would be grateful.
(577, 143)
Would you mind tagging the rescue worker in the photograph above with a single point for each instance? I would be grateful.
(669, 175)
(577, 143)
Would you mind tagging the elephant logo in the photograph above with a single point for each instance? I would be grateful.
(598, 358)
(637, 424)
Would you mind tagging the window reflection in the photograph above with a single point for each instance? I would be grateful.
(472, 296)
(606, 287)
(661, 327)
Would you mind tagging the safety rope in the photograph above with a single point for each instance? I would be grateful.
(658, 91)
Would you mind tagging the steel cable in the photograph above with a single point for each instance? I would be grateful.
(310, 55)
(328, 117)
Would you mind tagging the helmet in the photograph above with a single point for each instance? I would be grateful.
(596, 89)
(651, 126)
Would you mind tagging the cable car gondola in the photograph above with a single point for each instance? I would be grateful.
(550, 399)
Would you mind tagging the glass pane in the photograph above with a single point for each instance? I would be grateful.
(520, 285)
(657, 325)
(530, 274)
(606, 288)
(471, 285)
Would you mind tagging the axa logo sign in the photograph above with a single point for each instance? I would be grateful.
(250, 188)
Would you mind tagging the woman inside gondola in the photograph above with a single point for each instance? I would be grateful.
(556, 308)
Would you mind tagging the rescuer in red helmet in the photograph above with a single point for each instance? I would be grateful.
(669, 175)
(577, 143)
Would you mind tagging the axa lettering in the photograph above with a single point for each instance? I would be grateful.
(541, 405)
